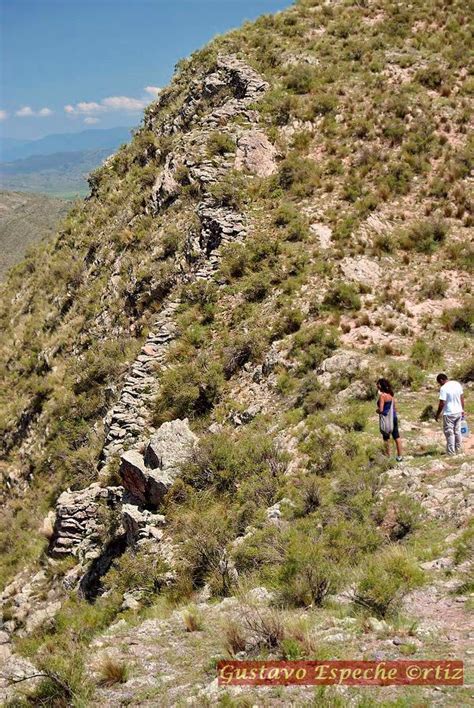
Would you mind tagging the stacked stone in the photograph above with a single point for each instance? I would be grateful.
(78, 528)
(128, 419)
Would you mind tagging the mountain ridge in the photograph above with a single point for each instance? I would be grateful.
(90, 139)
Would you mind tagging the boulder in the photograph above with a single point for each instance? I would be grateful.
(341, 362)
(256, 154)
(171, 445)
(148, 477)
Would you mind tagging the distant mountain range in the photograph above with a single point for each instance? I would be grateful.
(57, 164)
(92, 139)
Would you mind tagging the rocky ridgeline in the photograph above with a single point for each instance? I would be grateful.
(232, 82)
(97, 523)
(128, 423)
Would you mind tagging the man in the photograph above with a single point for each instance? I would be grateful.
(451, 405)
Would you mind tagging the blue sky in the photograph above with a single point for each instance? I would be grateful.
(68, 65)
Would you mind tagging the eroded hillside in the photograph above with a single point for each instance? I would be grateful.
(191, 465)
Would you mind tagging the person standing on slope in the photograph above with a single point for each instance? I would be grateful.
(388, 419)
(451, 405)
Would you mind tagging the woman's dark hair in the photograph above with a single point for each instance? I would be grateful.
(385, 386)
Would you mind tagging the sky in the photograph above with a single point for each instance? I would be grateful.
(69, 65)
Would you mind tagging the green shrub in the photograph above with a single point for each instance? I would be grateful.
(244, 348)
(312, 396)
(397, 516)
(278, 106)
(288, 322)
(424, 236)
(431, 76)
(388, 576)
(188, 390)
(257, 287)
(231, 191)
(464, 545)
(224, 460)
(309, 571)
(343, 296)
(219, 143)
(286, 213)
(235, 260)
(313, 344)
(465, 371)
(425, 355)
(434, 289)
(203, 535)
(300, 79)
(297, 175)
(322, 104)
(459, 319)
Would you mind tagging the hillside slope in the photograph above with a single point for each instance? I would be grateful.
(190, 460)
(24, 220)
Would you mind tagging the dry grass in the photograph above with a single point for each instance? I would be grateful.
(112, 671)
(192, 618)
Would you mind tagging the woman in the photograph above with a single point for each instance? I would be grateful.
(385, 402)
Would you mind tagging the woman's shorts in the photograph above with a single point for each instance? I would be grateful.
(395, 434)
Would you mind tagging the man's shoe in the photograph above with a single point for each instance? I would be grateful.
(399, 458)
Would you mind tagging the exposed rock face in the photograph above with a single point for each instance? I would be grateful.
(256, 154)
(361, 269)
(147, 478)
(342, 363)
(219, 224)
(231, 87)
(78, 528)
(324, 234)
(165, 187)
(141, 525)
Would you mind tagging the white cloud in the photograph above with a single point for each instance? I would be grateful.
(90, 120)
(28, 112)
(112, 103)
(123, 103)
(85, 107)
(24, 112)
(152, 90)
(3, 115)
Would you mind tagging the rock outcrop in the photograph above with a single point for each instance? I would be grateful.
(148, 477)
(80, 523)
(256, 154)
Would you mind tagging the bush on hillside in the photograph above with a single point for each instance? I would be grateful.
(424, 236)
(219, 143)
(459, 319)
(388, 577)
(343, 296)
(309, 571)
(313, 344)
(434, 289)
(300, 79)
(465, 371)
(188, 390)
(425, 355)
(297, 175)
